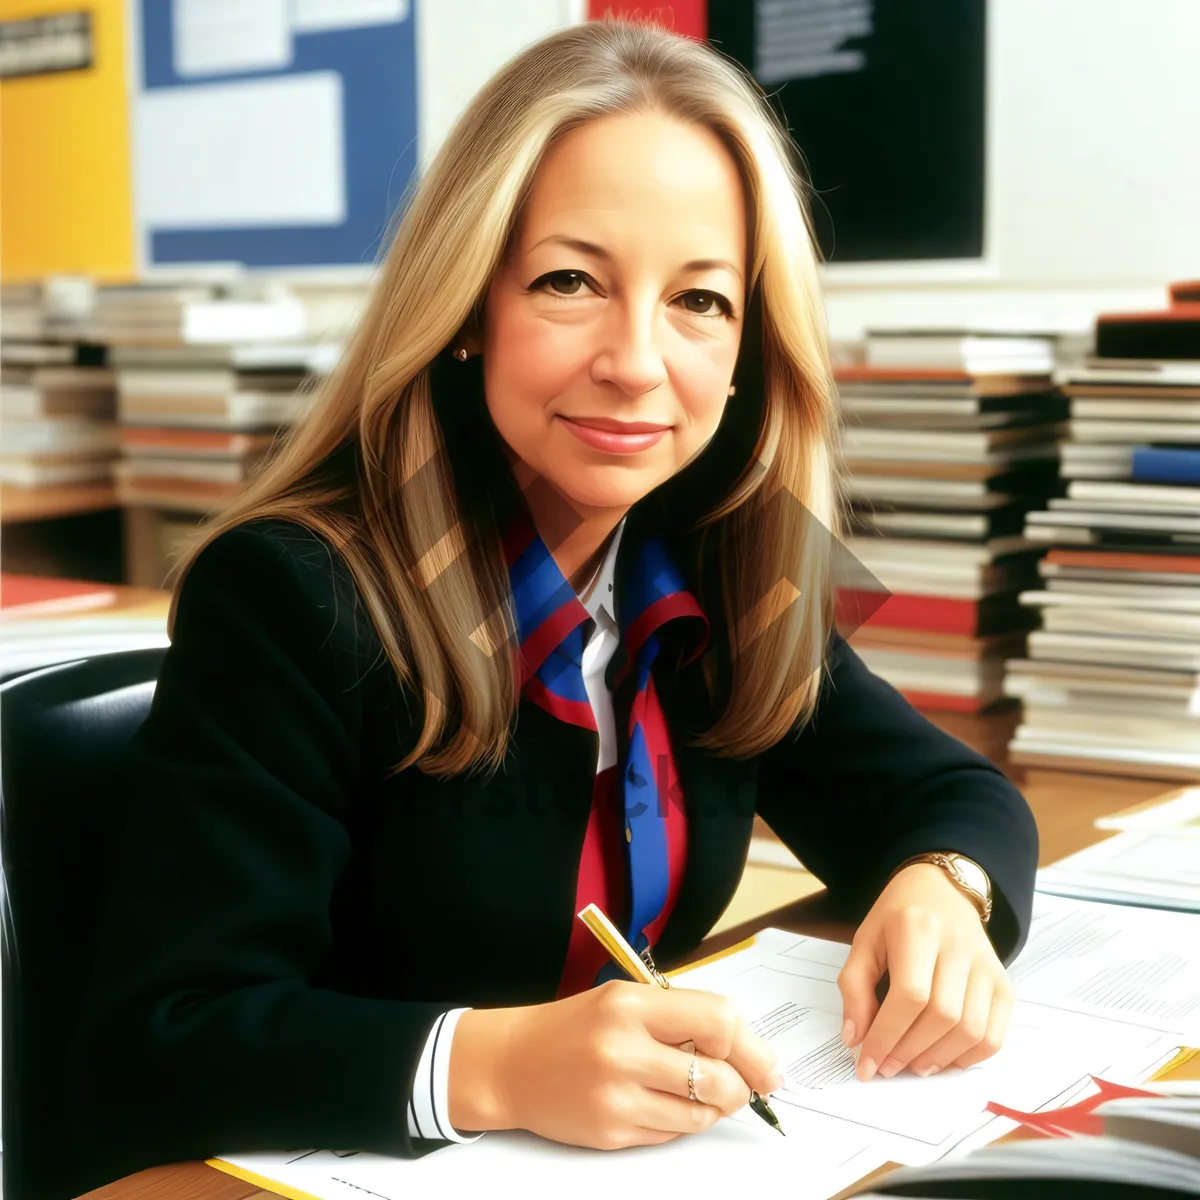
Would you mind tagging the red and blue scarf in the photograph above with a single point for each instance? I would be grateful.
(636, 841)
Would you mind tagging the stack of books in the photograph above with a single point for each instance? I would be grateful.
(950, 439)
(1112, 678)
(167, 314)
(57, 398)
(206, 375)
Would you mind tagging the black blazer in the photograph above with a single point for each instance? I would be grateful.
(287, 920)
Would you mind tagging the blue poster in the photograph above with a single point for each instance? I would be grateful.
(359, 52)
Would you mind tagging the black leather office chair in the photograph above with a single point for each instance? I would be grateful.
(62, 731)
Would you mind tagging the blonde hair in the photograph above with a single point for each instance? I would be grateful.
(377, 427)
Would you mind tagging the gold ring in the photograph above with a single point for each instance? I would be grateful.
(692, 1080)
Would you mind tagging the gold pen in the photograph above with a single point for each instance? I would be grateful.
(641, 969)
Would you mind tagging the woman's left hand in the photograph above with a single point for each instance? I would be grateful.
(948, 999)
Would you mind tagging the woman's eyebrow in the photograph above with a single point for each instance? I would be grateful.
(712, 264)
(585, 247)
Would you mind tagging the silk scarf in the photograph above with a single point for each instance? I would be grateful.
(635, 846)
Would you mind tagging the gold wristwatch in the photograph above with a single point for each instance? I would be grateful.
(966, 875)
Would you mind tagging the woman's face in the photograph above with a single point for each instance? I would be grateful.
(611, 330)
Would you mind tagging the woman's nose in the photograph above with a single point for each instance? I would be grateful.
(630, 356)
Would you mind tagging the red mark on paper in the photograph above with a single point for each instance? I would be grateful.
(1076, 1118)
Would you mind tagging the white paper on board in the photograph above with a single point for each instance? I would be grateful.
(312, 16)
(215, 37)
(263, 152)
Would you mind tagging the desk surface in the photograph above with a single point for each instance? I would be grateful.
(129, 602)
(1065, 805)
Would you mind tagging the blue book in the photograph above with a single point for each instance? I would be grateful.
(1154, 465)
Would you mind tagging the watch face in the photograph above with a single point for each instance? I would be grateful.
(973, 876)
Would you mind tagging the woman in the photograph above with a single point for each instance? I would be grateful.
(588, 417)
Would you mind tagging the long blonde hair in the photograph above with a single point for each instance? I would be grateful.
(378, 425)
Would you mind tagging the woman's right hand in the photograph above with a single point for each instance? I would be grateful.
(603, 1068)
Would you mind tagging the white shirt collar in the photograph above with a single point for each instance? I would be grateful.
(597, 598)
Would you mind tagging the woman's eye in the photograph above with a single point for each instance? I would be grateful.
(705, 304)
(562, 283)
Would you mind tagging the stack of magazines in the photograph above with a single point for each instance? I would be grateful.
(1112, 678)
(950, 438)
(57, 399)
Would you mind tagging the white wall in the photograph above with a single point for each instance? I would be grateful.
(1097, 139)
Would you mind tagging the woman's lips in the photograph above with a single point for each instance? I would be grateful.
(612, 439)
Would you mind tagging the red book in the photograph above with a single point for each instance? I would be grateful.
(32, 595)
(939, 614)
(1113, 560)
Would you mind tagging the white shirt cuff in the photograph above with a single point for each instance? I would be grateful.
(429, 1105)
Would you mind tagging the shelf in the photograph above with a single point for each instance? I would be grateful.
(44, 503)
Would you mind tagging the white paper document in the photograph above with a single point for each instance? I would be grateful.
(812, 1164)
(1182, 811)
(1133, 965)
(786, 987)
(1158, 868)
(1066, 1028)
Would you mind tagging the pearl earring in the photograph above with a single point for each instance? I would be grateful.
(732, 390)
(461, 354)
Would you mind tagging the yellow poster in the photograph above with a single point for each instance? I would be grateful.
(65, 178)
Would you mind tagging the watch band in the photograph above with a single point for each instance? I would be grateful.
(953, 864)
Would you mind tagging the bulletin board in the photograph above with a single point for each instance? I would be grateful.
(272, 133)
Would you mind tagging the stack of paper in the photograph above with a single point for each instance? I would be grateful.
(1150, 1145)
(1172, 1122)
(1154, 868)
(1052, 1168)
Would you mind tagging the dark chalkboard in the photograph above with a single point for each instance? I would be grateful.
(885, 100)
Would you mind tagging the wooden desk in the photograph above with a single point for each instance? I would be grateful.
(139, 602)
(130, 602)
(1065, 805)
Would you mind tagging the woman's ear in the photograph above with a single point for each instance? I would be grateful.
(465, 344)
(469, 340)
